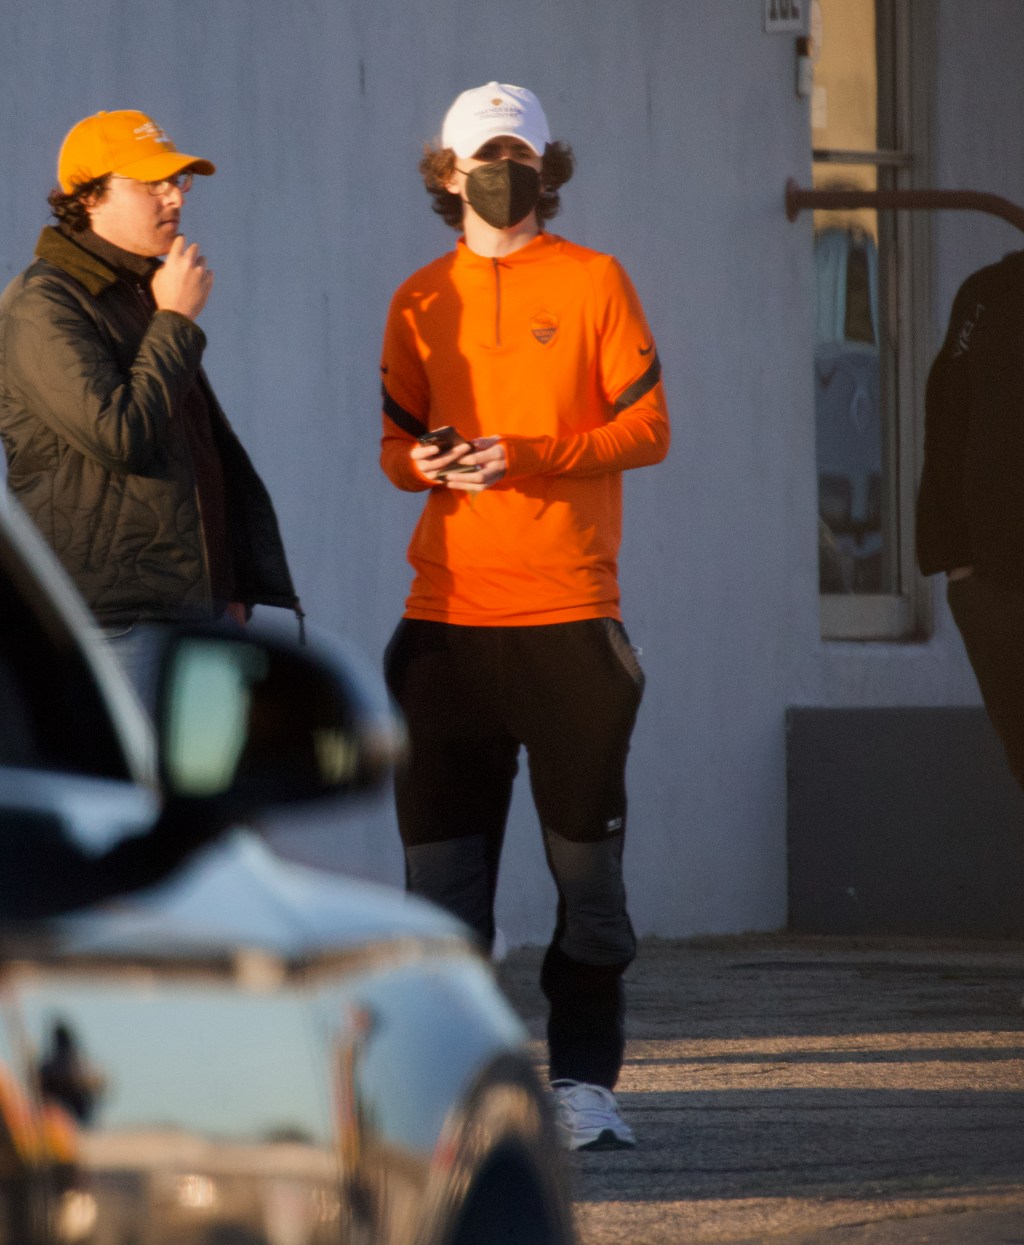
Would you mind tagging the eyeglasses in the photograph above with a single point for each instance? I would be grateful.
(179, 181)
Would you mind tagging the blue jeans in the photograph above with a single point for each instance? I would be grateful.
(137, 648)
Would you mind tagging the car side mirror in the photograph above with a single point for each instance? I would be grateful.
(247, 721)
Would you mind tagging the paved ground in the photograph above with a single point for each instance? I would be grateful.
(812, 1090)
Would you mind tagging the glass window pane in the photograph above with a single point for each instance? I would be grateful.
(855, 464)
(844, 107)
(854, 359)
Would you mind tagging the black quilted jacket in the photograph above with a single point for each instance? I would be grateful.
(91, 386)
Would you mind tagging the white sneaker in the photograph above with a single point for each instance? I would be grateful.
(587, 1118)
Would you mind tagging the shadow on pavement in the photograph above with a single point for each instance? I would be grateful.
(810, 1089)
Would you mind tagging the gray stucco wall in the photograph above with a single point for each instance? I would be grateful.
(686, 125)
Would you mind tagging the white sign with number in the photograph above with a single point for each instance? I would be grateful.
(785, 16)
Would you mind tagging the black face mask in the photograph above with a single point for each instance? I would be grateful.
(503, 193)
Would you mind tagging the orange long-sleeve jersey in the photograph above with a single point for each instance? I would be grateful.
(548, 348)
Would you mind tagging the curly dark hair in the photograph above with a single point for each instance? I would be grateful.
(71, 209)
(438, 165)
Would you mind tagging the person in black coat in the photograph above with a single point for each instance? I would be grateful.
(970, 507)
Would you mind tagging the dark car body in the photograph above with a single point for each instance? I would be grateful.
(221, 1048)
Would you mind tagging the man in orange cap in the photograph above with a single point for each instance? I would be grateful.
(115, 443)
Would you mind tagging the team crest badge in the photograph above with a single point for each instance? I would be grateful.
(544, 325)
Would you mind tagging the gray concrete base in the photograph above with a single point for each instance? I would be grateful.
(902, 821)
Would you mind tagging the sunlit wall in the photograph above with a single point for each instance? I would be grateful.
(686, 123)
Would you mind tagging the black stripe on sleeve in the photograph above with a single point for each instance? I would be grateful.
(640, 387)
(400, 416)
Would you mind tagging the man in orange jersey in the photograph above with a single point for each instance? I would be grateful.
(537, 352)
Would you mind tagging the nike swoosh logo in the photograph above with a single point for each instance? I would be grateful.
(648, 350)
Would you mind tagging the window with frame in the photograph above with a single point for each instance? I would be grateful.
(867, 134)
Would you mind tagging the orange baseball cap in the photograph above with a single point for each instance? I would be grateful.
(127, 143)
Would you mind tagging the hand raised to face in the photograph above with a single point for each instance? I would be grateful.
(183, 282)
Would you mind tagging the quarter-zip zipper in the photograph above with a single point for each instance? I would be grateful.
(497, 301)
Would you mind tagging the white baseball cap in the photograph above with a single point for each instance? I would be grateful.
(494, 111)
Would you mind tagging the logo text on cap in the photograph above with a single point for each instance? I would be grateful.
(150, 130)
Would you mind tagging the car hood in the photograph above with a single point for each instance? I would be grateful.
(237, 898)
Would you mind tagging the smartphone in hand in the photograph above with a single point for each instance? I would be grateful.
(446, 439)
